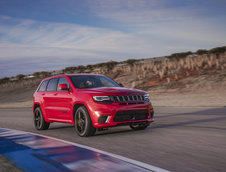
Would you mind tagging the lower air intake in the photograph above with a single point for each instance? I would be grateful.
(130, 115)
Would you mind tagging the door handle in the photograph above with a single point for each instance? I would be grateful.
(55, 94)
(43, 94)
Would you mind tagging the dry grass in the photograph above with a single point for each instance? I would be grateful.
(158, 70)
(167, 70)
(185, 74)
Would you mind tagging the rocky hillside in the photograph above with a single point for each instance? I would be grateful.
(197, 72)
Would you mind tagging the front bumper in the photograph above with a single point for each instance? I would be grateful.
(104, 115)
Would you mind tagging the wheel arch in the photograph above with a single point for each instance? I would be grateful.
(76, 106)
(44, 115)
(35, 106)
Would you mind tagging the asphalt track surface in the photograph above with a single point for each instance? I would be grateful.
(180, 139)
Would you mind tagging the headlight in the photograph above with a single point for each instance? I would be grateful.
(146, 98)
(102, 99)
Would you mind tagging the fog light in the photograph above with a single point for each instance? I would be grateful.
(103, 119)
(108, 118)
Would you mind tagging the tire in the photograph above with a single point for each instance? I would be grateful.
(83, 124)
(39, 121)
(141, 126)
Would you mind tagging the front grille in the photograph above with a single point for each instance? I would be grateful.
(128, 98)
(130, 115)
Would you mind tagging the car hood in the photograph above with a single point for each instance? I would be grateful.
(113, 91)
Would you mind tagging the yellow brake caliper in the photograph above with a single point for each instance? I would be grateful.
(79, 122)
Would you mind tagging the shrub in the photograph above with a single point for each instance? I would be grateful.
(218, 50)
(20, 76)
(109, 65)
(131, 61)
(36, 74)
(81, 68)
(201, 52)
(89, 66)
(69, 69)
(45, 74)
(179, 55)
(4, 80)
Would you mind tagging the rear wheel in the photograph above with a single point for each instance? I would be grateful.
(39, 121)
(139, 126)
(83, 124)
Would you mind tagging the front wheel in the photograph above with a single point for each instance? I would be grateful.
(39, 121)
(83, 124)
(141, 126)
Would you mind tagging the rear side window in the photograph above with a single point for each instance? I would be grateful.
(52, 85)
(43, 86)
(62, 81)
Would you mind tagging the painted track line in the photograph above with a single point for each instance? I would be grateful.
(131, 161)
(124, 159)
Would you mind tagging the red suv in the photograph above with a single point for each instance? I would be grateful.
(90, 102)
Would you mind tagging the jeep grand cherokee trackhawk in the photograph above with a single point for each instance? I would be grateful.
(90, 102)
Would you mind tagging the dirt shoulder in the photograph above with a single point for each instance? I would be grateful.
(217, 99)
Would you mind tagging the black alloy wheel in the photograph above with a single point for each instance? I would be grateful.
(39, 121)
(83, 124)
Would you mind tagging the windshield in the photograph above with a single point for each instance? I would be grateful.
(92, 81)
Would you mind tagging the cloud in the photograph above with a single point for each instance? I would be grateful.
(27, 46)
(149, 28)
(62, 39)
(138, 16)
(62, 35)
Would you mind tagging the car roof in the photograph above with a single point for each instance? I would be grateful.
(82, 74)
(77, 74)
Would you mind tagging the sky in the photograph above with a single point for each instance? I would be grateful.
(47, 35)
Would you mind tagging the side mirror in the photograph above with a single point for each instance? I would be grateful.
(121, 85)
(63, 87)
